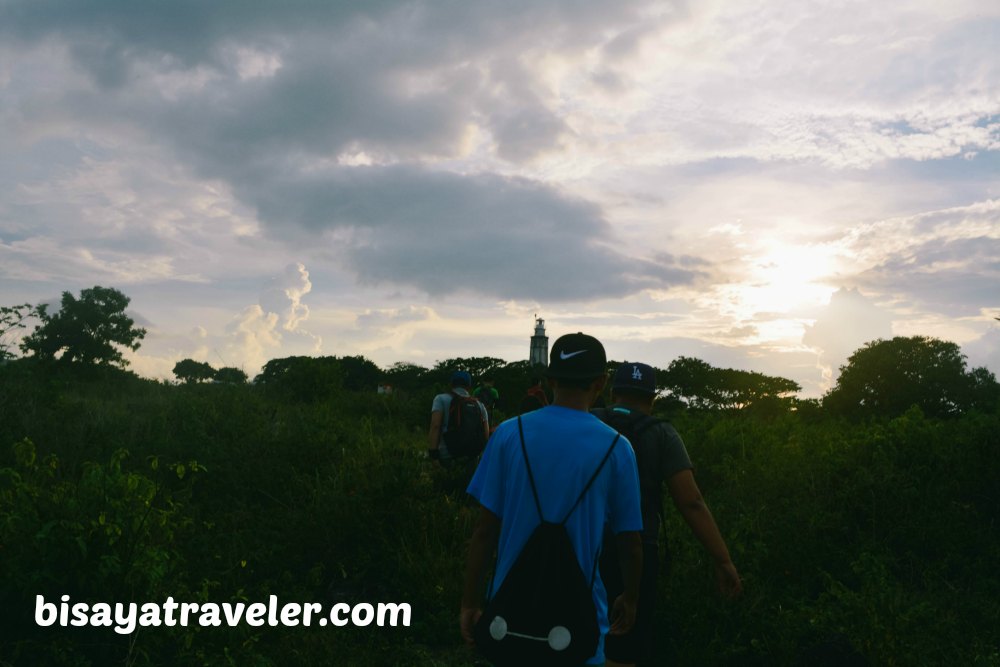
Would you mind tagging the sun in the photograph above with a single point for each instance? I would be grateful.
(787, 277)
(776, 285)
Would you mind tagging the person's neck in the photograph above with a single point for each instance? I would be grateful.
(574, 400)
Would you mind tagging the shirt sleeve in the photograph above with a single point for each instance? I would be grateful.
(674, 454)
(625, 510)
(439, 403)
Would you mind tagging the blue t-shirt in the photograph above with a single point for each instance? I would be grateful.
(565, 447)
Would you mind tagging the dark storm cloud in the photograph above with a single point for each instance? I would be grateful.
(346, 66)
(266, 97)
(505, 237)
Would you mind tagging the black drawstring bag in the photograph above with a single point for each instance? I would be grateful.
(543, 613)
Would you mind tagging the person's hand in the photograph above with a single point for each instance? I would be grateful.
(728, 579)
(622, 615)
(467, 622)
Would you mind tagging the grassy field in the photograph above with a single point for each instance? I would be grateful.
(877, 538)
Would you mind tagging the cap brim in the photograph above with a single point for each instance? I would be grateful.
(556, 375)
(638, 390)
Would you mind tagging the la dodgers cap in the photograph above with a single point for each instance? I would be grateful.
(635, 376)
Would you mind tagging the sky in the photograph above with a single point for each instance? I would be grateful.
(762, 185)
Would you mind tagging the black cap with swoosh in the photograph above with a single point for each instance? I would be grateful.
(577, 357)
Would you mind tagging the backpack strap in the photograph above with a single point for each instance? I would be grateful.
(531, 477)
(634, 421)
(455, 408)
(597, 472)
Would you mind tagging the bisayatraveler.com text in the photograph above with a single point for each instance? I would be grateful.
(126, 617)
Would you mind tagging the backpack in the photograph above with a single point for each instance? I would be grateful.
(543, 613)
(466, 428)
(633, 425)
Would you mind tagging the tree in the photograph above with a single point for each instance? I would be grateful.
(87, 330)
(304, 379)
(984, 390)
(476, 366)
(189, 370)
(12, 320)
(886, 377)
(689, 379)
(702, 385)
(405, 376)
(230, 375)
(359, 373)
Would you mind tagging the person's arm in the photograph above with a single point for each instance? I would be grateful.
(434, 434)
(629, 545)
(481, 548)
(687, 497)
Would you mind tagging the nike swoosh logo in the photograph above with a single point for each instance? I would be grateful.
(564, 356)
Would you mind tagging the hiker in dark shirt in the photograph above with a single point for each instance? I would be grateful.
(534, 398)
(661, 457)
(488, 395)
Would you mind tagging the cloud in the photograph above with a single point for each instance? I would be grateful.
(955, 277)
(945, 261)
(275, 322)
(262, 331)
(269, 104)
(253, 336)
(846, 324)
(505, 237)
(403, 81)
(386, 318)
(985, 350)
(43, 258)
(93, 218)
(401, 78)
(283, 297)
(522, 152)
(845, 86)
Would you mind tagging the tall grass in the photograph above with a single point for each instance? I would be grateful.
(881, 537)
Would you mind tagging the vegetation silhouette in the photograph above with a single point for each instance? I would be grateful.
(90, 329)
(886, 377)
(870, 530)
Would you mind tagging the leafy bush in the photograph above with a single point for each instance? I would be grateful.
(874, 537)
(103, 534)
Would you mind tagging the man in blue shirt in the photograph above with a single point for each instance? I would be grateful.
(565, 444)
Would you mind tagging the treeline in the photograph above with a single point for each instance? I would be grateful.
(863, 523)
(882, 379)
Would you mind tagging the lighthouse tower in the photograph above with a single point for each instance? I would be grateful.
(539, 345)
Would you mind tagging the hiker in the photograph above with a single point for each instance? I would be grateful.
(449, 437)
(534, 398)
(535, 466)
(488, 395)
(661, 457)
